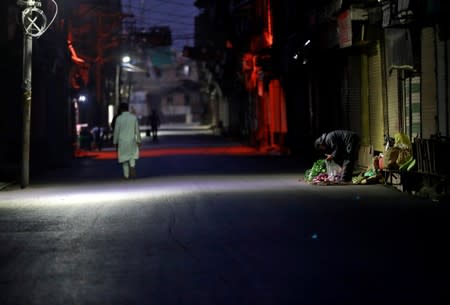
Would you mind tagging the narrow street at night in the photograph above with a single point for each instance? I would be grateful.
(225, 152)
(211, 221)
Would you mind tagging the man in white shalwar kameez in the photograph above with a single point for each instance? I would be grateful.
(127, 139)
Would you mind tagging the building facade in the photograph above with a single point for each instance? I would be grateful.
(379, 68)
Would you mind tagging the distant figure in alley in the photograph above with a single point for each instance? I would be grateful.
(154, 122)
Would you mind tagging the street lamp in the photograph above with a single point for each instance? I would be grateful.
(82, 98)
(126, 59)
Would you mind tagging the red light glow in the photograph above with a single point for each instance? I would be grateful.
(157, 152)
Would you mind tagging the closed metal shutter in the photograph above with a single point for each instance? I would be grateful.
(393, 115)
(351, 94)
(376, 98)
(412, 106)
(428, 83)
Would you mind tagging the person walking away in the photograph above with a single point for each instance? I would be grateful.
(127, 139)
(154, 123)
(342, 146)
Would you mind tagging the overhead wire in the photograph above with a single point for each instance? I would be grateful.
(158, 17)
(189, 12)
(174, 2)
(159, 13)
(160, 21)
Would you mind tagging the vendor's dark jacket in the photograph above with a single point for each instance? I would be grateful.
(341, 144)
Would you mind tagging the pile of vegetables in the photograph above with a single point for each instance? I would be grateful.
(318, 168)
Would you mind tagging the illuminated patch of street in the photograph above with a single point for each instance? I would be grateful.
(145, 189)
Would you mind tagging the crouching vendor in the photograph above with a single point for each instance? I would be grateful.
(342, 146)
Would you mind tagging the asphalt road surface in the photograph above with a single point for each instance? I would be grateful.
(212, 222)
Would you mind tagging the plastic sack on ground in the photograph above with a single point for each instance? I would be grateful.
(334, 171)
(402, 140)
(390, 157)
(404, 146)
(399, 153)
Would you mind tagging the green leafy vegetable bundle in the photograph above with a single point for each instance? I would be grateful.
(318, 167)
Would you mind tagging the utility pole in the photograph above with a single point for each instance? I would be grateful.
(34, 24)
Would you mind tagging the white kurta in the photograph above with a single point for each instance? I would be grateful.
(127, 136)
